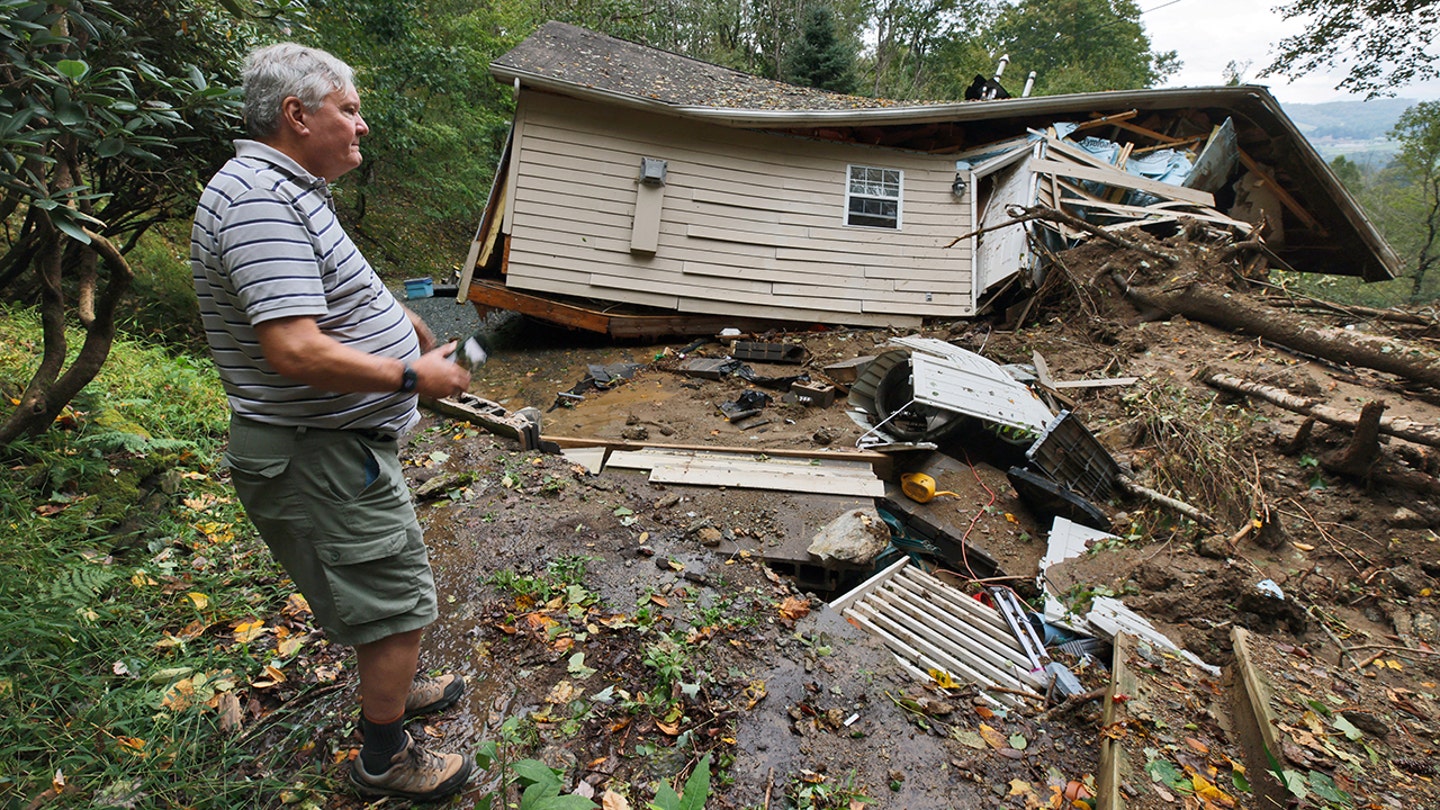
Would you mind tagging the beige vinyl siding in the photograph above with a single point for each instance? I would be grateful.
(751, 221)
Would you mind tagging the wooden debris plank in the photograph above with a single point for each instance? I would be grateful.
(1112, 754)
(1115, 177)
(750, 478)
(1105, 120)
(1290, 203)
(867, 456)
(648, 457)
(591, 458)
(1166, 209)
(1075, 153)
(1104, 382)
(1256, 691)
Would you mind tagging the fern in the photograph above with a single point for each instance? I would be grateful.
(132, 443)
(81, 585)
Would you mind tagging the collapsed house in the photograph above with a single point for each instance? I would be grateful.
(646, 193)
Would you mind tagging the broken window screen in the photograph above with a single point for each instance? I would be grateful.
(872, 197)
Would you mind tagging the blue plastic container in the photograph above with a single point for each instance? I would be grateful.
(419, 288)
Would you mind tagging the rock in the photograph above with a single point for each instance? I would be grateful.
(1406, 518)
(1214, 546)
(1368, 722)
(823, 436)
(667, 501)
(1407, 580)
(708, 536)
(635, 433)
(1425, 629)
(857, 536)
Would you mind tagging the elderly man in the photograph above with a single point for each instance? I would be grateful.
(322, 367)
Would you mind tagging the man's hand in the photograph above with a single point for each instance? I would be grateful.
(437, 376)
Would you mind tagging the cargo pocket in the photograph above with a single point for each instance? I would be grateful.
(258, 483)
(368, 576)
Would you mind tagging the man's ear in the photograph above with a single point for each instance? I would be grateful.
(292, 115)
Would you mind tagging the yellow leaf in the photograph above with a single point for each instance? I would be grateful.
(201, 600)
(794, 607)
(246, 632)
(289, 646)
(562, 693)
(942, 679)
(58, 781)
(179, 697)
(140, 579)
(133, 745)
(1206, 790)
(1303, 546)
(993, 738)
(1019, 787)
(610, 800)
(295, 605)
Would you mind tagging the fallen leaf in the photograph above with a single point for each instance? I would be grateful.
(659, 600)
(295, 605)
(288, 647)
(992, 737)
(610, 800)
(229, 710)
(246, 632)
(942, 678)
(132, 745)
(1019, 787)
(201, 600)
(562, 693)
(1303, 546)
(969, 739)
(794, 608)
(670, 729)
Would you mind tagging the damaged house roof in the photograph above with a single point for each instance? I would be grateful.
(1322, 228)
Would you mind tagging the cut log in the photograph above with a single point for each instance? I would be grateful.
(1357, 459)
(1218, 306)
(1399, 428)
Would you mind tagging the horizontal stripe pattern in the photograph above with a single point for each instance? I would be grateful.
(266, 244)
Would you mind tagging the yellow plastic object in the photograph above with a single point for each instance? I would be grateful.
(920, 488)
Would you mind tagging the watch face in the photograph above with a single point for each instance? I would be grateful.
(407, 380)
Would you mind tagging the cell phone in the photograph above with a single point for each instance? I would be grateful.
(472, 352)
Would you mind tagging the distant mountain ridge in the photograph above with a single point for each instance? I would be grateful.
(1360, 130)
(1348, 120)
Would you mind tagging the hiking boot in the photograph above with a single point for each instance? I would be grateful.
(415, 774)
(430, 695)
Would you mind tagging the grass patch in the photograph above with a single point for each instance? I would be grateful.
(137, 607)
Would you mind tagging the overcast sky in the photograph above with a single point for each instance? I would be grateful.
(1208, 34)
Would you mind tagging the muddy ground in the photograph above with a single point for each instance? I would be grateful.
(620, 630)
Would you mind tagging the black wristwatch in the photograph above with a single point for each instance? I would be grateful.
(408, 380)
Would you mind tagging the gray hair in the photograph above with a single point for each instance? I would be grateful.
(276, 72)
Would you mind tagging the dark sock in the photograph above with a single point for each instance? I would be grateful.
(382, 741)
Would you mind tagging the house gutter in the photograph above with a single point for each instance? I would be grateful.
(960, 112)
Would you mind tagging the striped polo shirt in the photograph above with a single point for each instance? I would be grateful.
(266, 244)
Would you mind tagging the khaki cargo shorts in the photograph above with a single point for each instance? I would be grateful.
(334, 509)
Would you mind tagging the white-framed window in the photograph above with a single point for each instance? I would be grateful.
(872, 197)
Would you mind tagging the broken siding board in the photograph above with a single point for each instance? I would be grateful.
(784, 481)
(1115, 177)
(807, 277)
(957, 601)
(876, 581)
(939, 299)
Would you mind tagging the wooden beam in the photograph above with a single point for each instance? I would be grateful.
(1290, 203)
(1115, 177)
(1105, 120)
(620, 444)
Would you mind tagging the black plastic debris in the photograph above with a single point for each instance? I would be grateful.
(749, 403)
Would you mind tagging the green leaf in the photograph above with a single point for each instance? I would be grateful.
(1295, 783)
(486, 755)
(665, 798)
(1325, 788)
(1347, 728)
(533, 771)
(1320, 708)
(110, 147)
(1239, 781)
(1018, 742)
(1163, 770)
(71, 229)
(697, 787)
(70, 114)
(72, 69)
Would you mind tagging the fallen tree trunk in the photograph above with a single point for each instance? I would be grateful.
(1399, 428)
(1218, 306)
